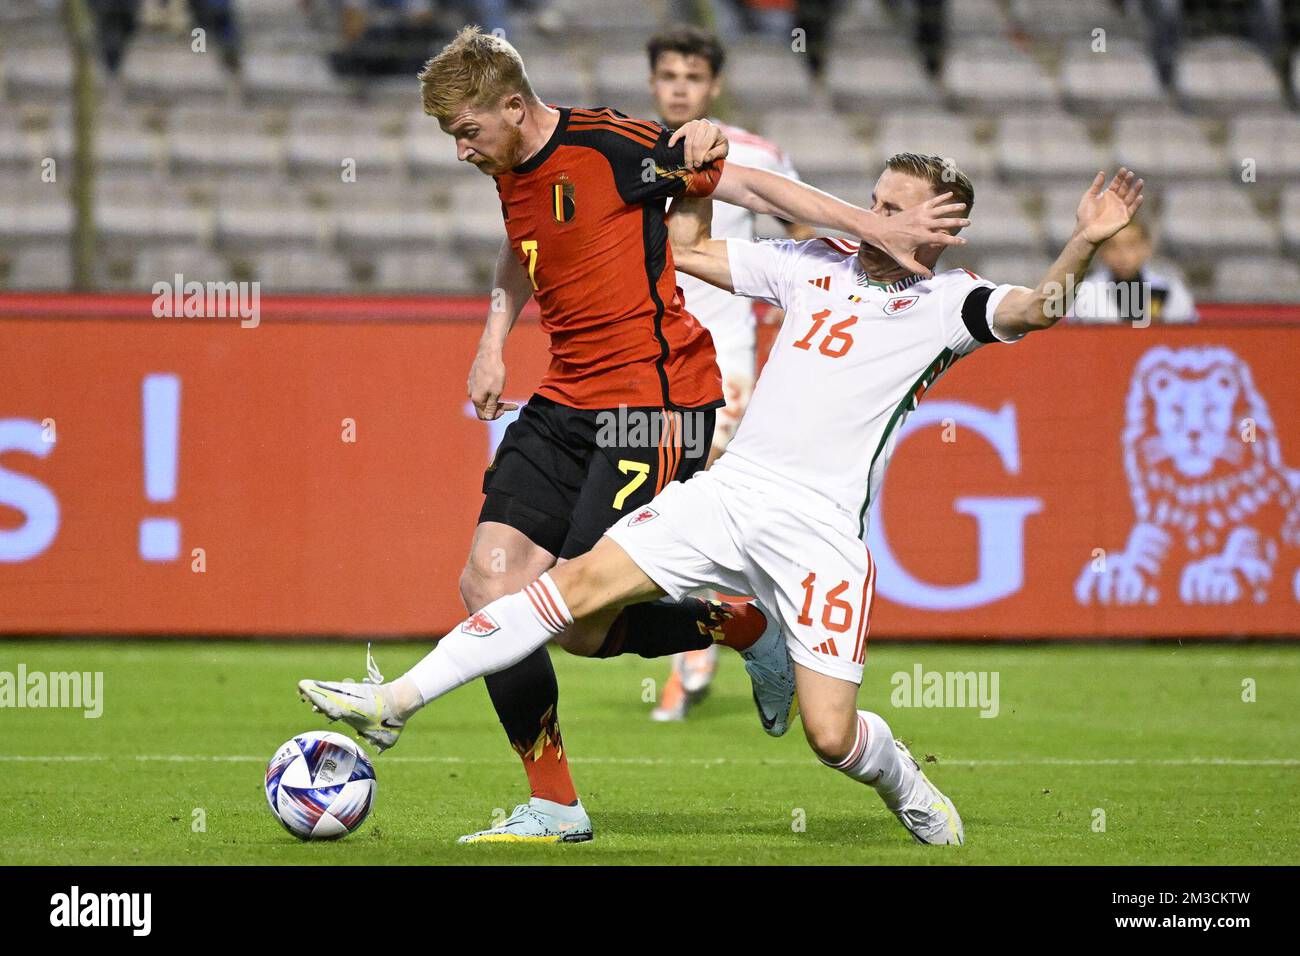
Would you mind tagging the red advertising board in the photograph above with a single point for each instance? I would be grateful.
(315, 475)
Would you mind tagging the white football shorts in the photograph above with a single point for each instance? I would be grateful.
(741, 535)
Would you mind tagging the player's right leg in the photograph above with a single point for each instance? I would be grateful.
(592, 587)
(860, 745)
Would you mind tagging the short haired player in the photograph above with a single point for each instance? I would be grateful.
(686, 79)
(783, 514)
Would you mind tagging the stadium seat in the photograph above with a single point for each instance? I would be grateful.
(1226, 75)
(163, 264)
(938, 133)
(622, 81)
(971, 18)
(1209, 219)
(1077, 18)
(1024, 268)
(1256, 279)
(440, 271)
(1048, 145)
(172, 73)
(320, 140)
(877, 76)
(291, 77)
(17, 148)
(820, 145)
(1272, 140)
(999, 223)
(558, 79)
(301, 270)
(1290, 219)
(1122, 78)
(871, 19)
(33, 211)
(38, 73)
(388, 214)
(126, 138)
(258, 213)
(768, 76)
(993, 73)
(40, 267)
(1059, 201)
(141, 210)
(217, 139)
(1166, 146)
(474, 219)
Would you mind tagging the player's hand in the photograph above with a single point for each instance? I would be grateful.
(705, 142)
(926, 224)
(1102, 213)
(487, 380)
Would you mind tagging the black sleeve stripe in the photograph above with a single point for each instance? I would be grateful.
(974, 313)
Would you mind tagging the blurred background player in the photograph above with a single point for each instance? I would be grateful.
(1128, 286)
(685, 81)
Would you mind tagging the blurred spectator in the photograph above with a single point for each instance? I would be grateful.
(386, 37)
(1264, 22)
(1126, 287)
(116, 22)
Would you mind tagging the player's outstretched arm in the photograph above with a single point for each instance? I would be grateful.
(1101, 214)
(768, 193)
(695, 251)
(511, 290)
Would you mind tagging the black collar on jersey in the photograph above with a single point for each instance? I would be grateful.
(543, 154)
(896, 286)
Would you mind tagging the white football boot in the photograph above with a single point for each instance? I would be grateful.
(928, 815)
(538, 821)
(360, 706)
(767, 661)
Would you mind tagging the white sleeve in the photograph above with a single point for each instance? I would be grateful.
(967, 307)
(761, 269)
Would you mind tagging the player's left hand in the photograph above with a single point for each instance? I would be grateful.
(705, 142)
(1102, 213)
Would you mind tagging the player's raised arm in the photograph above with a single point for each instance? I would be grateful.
(900, 235)
(1101, 214)
(695, 251)
(511, 290)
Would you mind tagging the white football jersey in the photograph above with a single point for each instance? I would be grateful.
(729, 318)
(852, 359)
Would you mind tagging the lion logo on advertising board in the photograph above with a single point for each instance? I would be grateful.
(1218, 513)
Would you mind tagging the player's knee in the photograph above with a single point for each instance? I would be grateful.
(831, 736)
(478, 584)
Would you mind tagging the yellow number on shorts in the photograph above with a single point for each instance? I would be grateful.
(638, 479)
(529, 248)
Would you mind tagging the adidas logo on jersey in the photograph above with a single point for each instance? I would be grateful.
(480, 624)
(823, 283)
(827, 647)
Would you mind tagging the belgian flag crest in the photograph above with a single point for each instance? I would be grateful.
(562, 207)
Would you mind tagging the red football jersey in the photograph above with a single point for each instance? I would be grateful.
(585, 216)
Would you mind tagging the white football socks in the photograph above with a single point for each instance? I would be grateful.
(505, 632)
(875, 761)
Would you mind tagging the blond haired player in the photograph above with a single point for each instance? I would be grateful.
(686, 77)
(783, 513)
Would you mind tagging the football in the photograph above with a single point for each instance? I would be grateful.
(320, 785)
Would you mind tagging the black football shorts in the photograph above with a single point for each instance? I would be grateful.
(562, 475)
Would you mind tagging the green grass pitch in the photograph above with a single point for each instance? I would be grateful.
(1155, 737)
